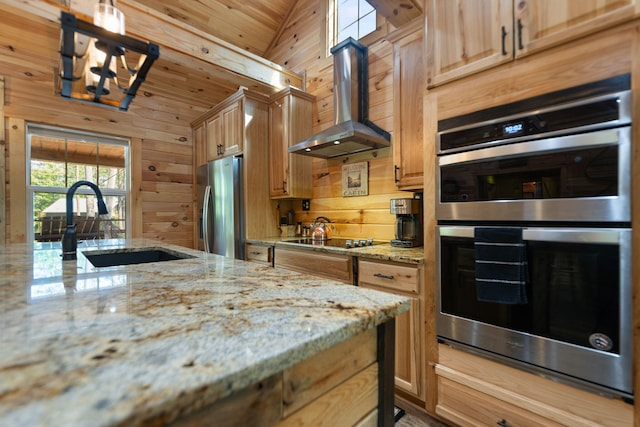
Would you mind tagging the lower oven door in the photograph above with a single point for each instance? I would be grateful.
(576, 324)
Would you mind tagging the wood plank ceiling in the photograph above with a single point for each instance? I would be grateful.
(251, 25)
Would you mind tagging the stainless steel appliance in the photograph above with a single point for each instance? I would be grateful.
(555, 171)
(221, 207)
(352, 131)
(336, 242)
(408, 214)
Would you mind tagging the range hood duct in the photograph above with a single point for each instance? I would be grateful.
(352, 131)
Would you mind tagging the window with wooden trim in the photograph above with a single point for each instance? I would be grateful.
(349, 18)
(57, 158)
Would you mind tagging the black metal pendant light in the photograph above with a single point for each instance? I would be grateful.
(89, 53)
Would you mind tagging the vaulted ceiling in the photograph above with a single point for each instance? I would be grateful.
(251, 25)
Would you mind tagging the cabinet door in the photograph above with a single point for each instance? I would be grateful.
(214, 138)
(199, 136)
(290, 118)
(467, 36)
(232, 134)
(541, 24)
(279, 156)
(408, 81)
(402, 279)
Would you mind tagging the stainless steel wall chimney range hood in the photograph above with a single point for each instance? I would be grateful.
(352, 131)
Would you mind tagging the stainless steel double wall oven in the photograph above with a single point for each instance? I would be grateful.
(555, 168)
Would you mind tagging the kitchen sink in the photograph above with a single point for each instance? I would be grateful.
(113, 257)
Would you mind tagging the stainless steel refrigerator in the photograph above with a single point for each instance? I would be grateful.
(220, 207)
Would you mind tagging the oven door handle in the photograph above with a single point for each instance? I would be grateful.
(614, 236)
(619, 136)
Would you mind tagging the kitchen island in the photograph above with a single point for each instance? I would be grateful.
(205, 337)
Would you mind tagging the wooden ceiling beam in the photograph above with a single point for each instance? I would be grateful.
(172, 34)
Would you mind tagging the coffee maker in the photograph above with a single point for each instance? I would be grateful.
(408, 214)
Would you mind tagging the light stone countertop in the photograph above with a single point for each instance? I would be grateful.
(117, 345)
(383, 251)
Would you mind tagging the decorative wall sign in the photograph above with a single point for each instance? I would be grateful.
(355, 179)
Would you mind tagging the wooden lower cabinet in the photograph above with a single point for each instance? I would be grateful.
(341, 386)
(262, 254)
(404, 279)
(332, 266)
(474, 391)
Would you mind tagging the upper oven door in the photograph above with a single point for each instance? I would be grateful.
(578, 177)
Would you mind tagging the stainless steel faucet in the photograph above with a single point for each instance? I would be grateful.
(69, 239)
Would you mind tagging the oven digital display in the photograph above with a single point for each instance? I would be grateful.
(513, 128)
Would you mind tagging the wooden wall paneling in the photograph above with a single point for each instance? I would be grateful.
(17, 197)
(3, 210)
(158, 126)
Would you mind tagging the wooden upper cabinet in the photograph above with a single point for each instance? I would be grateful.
(544, 23)
(468, 36)
(232, 127)
(220, 132)
(213, 142)
(290, 122)
(199, 143)
(408, 91)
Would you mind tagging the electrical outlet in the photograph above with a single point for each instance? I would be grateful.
(306, 205)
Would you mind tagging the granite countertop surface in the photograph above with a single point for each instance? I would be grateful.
(383, 251)
(82, 345)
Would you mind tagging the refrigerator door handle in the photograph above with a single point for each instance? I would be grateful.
(205, 218)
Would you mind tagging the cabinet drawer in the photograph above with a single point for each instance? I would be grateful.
(258, 253)
(468, 407)
(331, 266)
(400, 277)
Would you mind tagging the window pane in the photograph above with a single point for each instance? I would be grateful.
(50, 217)
(367, 24)
(350, 31)
(347, 13)
(77, 172)
(47, 174)
(365, 8)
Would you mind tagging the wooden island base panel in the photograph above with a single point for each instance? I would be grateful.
(204, 340)
(342, 386)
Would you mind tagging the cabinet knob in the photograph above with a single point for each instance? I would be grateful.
(503, 423)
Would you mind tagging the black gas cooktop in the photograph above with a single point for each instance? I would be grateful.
(336, 242)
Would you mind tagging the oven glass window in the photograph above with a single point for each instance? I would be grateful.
(572, 293)
(587, 172)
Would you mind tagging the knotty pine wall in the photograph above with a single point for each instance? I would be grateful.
(301, 48)
(159, 128)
